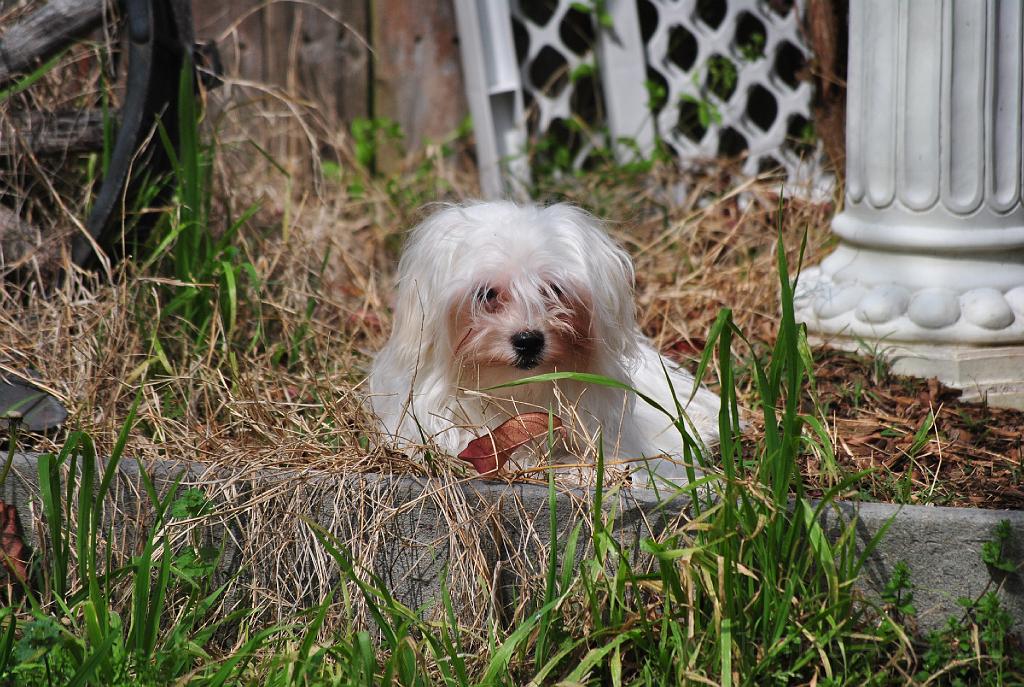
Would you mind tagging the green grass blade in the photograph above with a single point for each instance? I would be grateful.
(233, 666)
(158, 597)
(450, 637)
(26, 81)
(541, 649)
(53, 508)
(229, 292)
(597, 656)
(721, 323)
(118, 451)
(377, 597)
(725, 652)
(7, 640)
(820, 546)
(236, 225)
(569, 558)
(500, 659)
(366, 652)
(301, 665)
(567, 647)
(85, 506)
(98, 655)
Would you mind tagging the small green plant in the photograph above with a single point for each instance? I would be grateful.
(368, 135)
(993, 551)
(878, 353)
(599, 8)
(552, 155)
(898, 595)
(922, 436)
(722, 76)
(753, 48)
(211, 277)
(406, 188)
(857, 392)
(979, 647)
(68, 632)
(807, 135)
(584, 70)
(707, 112)
(975, 652)
(657, 94)
(818, 441)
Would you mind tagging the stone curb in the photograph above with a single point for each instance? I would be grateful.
(941, 545)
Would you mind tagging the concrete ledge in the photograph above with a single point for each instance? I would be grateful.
(942, 546)
(487, 539)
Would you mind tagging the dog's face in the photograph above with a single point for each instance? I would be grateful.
(496, 291)
(523, 321)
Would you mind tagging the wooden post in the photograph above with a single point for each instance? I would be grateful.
(417, 76)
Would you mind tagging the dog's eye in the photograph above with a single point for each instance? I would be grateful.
(487, 295)
(555, 291)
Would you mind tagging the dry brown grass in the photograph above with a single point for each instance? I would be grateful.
(92, 341)
(315, 243)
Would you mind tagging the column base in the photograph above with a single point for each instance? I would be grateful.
(970, 338)
(889, 307)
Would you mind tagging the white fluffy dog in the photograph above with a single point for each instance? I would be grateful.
(492, 292)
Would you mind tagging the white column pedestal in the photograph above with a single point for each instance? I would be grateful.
(930, 264)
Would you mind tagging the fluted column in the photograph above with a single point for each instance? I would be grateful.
(930, 261)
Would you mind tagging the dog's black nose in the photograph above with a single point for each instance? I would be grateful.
(528, 346)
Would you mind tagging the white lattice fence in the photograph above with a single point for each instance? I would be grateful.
(731, 80)
(707, 77)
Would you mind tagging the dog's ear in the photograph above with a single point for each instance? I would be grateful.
(418, 352)
(420, 338)
(608, 277)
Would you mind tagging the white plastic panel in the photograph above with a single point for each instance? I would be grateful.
(729, 70)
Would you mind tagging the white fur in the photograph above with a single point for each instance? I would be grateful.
(556, 271)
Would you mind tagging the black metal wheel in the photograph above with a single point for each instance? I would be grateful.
(160, 44)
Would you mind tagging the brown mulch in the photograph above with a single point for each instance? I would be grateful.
(969, 455)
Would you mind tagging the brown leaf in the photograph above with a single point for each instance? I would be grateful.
(489, 453)
(12, 548)
(863, 440)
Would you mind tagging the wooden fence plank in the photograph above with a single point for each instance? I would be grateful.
(321, 51)
(417, 76)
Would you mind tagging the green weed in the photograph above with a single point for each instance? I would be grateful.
(979, 647)
(211, 279)
(67, 631)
